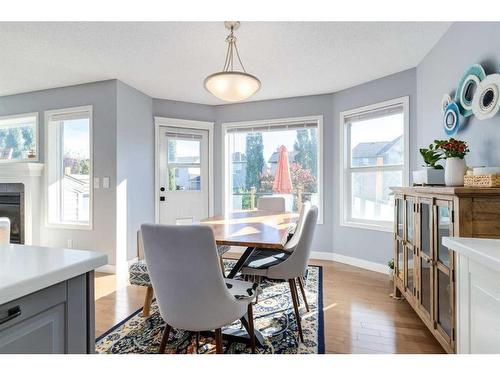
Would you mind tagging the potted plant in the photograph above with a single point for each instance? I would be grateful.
(390, 264)
(454, 151)
(433, 173)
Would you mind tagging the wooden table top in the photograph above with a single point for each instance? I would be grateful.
(264, 229)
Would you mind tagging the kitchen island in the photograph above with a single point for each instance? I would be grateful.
(477, 294)
(47, 299)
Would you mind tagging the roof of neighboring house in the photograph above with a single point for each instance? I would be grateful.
(239, 157)
(373, 149)
(77, 182)
(187, 159)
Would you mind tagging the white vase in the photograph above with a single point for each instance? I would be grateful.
(454, 172)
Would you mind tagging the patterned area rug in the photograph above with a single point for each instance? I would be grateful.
(273, 314)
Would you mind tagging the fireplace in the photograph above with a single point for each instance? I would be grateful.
(12, 206)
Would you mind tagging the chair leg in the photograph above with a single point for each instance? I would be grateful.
(164, 339)
(295, 299)
(251, 331)
(302, 290)
(197, 341)
(218, 341)
(146, 310)
(221, 259)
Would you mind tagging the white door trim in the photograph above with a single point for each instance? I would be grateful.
(184, 124)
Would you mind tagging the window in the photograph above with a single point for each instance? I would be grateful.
(375, 157)
(69, 167)
(18, 138)
(252, 159)
(184, 162)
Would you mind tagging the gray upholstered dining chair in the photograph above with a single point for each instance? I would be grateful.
(271, 203)
(290, 264)
(190, 290)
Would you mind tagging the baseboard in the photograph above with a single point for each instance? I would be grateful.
(107, 268)
(336, 257)
(111, 268)
(356, 262)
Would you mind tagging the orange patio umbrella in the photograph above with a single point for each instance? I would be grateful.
(282, 180)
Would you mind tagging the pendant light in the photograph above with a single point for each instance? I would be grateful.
(232, 85)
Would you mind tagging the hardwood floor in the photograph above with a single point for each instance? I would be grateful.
(359, 315)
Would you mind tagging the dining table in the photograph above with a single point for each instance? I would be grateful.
(253, 229)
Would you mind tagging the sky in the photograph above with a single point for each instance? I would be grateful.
(377, 130)
(76, 138)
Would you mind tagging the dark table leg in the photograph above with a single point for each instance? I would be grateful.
(239, 264)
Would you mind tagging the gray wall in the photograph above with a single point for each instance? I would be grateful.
(183, 110)
(102, 96)
(370, 245)
(439, 72)
(135, 166)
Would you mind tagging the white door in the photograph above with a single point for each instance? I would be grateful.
(183, 185)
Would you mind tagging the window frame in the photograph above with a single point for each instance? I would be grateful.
(226, 159)
(346, 170)
(48, 169)
(36, 159)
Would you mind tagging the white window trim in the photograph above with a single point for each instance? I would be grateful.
(184, 124)
(250, 124)
(62, 225)
(344, 200)
(37, 133)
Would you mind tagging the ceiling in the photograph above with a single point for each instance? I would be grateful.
(171, 59)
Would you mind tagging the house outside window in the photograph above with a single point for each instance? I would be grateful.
(69, 167)
(251, 159)
(374, 156)
(19, 138)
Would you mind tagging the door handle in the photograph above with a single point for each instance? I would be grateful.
(12, 313)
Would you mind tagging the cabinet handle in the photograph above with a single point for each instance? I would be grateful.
(12, 313)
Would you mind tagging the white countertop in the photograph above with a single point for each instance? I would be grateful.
(27, 269)
(481, 250)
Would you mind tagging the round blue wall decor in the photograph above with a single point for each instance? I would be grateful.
(444, 102)
(467, 87)
(451, 119)
(486, 102)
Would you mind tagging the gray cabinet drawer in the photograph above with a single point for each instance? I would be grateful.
(43, 333)
(33, 304)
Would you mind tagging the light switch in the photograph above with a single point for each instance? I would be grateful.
(105, 182)
(96, 182)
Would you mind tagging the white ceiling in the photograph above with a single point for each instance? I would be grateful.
(171, 59)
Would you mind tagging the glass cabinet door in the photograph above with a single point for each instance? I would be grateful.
(399, 216)
(424, 288)
(410, 270)
(399, 261)
(443, 229)
(443, 303)
(409, 242)
(443, 260)
(410, 214)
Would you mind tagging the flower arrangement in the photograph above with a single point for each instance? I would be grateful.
(452, 148)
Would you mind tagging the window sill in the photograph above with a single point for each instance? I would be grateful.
(69, 226)
(375, 227)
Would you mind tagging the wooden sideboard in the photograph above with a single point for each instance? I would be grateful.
(424, 269)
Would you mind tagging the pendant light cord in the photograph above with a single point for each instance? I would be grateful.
(228, 63)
